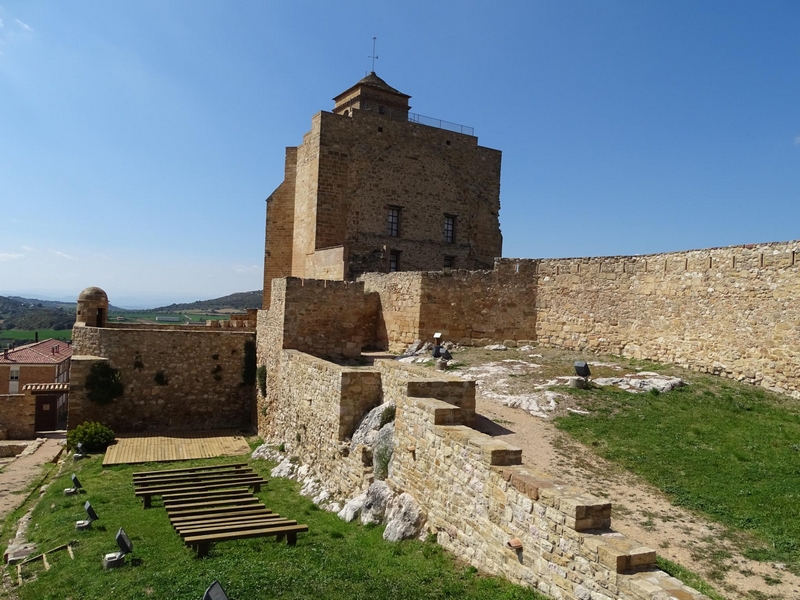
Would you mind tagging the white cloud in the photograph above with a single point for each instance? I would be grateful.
(1, 23)
(797, 141)
(244, 269)
(62, 255)
(24, 26)
(28, 249)
(14, 256)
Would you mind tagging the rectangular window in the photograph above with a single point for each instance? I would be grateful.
(394, 221)
(394, 262)
(449, 229)
(13, 385)
(449, 262)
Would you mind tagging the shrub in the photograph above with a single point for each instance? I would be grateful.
(160, 378)
(103, 383)
(261, 376)
(387, 416)
(94, 436)
(383, 455)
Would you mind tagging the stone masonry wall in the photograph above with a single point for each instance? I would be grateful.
(203, 369)
(323, 318)
(279, 235)
(477, 495)
(467, 307)
(733, 311)
(18, 415)
(314, 409)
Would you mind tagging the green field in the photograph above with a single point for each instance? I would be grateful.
(334, 560)
(17, 335)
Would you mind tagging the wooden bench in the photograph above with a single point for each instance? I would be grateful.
(145, 474)
(216, 520)
(147, 492)
(202, 542)
(195, 478)
(171, 500)
(237, 514)
(205, 528)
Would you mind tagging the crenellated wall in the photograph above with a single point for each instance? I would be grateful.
(732, 311)
(202, 385)
(474, 490)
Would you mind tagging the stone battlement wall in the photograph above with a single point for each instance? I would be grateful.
(477, 495)
(314, 408)
(732, 311)
(202, 367)
(474, 490)
(467, 307)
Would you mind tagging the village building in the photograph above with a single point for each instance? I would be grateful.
(45, 362)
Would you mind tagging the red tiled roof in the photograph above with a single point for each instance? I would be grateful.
(47, 352)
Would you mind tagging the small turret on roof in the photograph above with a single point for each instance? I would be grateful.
(375, 95)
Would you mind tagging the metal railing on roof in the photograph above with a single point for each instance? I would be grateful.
(431, 122)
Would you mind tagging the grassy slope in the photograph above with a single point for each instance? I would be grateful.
(333, 560)
(728, 450)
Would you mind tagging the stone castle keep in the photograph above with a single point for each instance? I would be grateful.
(384, 231)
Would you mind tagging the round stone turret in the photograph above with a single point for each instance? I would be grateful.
(92, 308)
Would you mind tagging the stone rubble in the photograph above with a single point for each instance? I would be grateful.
(404, 519)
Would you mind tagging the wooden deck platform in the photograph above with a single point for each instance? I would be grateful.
(177, 445)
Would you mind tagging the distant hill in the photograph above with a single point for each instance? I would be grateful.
(25, 313)
(238, 301)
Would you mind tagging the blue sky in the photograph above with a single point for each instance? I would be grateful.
(138, 140)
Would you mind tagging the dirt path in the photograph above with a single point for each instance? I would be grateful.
(640, 511)
(22, 471)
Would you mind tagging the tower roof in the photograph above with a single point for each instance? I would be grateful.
(372, 81)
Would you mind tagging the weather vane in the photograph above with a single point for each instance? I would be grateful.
(374, 56)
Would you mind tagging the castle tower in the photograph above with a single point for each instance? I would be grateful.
(92, 308)
(374, 187)
(373, 94)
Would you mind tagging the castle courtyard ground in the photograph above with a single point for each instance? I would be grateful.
(524, 378)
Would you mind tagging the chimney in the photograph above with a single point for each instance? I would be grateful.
(5, 353)
(36, 337)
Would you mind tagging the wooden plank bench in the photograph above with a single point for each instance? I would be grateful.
(217, 495)
(145, 474)
(240, 526)
(236, 518)
(201, 543)
(225, 502)
(255, 511)
(192, 512)
(199, 477)
(147, 492)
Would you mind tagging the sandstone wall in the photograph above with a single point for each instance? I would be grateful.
(314, 409)
(730, 311)
(474, 490)
(203, 369)
(279, 231)
(18, 415)
(323, 318)
(467, 307)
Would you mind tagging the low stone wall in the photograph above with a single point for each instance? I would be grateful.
(478, 496)
(174, 378)
(18, 416)
(466, 307)
(474, 490)
(733, 311)
(315, 408)
(323, 318)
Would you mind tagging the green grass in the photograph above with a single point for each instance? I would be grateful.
(333, 560)
(727, 450)
(30, 334)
